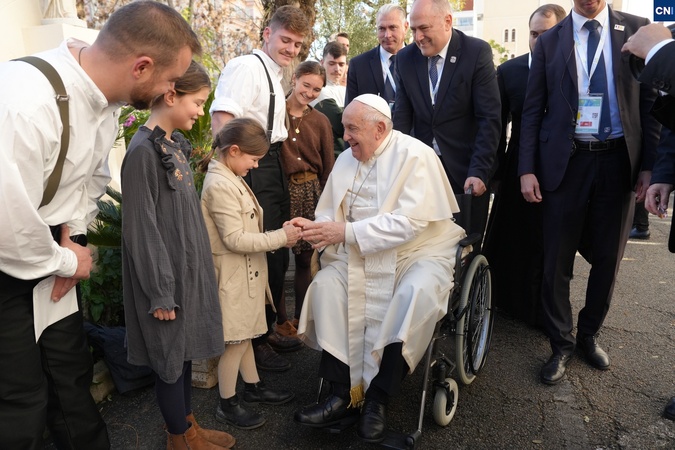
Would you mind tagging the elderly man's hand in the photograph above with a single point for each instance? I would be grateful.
(645, 38)
(320, 234)
(477, 186)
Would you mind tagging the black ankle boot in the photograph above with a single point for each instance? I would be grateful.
(230, 411)
(259, 393)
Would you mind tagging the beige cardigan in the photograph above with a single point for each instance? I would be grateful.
(234, 221)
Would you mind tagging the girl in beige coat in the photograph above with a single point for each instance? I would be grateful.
(234, 223)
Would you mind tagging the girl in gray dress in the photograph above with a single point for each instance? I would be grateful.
(170, 296)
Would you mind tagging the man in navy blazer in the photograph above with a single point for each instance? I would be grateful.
(369, 72)
(513, 240)
(460, 114)
(584, 171)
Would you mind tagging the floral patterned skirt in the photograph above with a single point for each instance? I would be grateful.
(304, 197)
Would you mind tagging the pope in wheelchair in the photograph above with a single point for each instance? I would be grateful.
(384, 222)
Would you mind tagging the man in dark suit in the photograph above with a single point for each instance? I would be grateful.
(374, 72)
(447, 97)
(655, 44)
(586, 142)
(513, 240)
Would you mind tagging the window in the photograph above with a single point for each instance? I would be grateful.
(513, 35)
(506, 35)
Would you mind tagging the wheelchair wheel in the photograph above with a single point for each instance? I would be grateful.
(474, 326)
(480, 317)
(445, 402)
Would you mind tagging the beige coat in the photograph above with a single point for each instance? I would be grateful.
(234, 221)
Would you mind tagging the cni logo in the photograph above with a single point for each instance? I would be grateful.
(664, 10)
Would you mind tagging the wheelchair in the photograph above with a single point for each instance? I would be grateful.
(467, 324)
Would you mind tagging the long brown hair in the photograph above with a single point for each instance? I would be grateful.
(310, 68)
(246, 133)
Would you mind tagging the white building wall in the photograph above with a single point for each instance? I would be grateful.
(22, 32)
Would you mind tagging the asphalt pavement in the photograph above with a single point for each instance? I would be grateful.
(506, 407)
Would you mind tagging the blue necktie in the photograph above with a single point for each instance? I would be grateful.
(598, 83)
(433, 70)
(389, 93)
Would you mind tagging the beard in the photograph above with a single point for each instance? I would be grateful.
(142, 96)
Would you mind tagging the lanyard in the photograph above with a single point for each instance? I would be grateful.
(433, 90)
(583, 58)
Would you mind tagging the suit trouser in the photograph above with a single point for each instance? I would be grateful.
(386, 383)
(45, 383)
(594, 205)
(270, 186)
(641, 217)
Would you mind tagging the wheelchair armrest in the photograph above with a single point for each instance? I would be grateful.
(470, 240)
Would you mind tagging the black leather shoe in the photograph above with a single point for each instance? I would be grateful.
(283, 344)
(669, 412)
(332, 411)
(639, 234)
(230, 411)
(595, 355)
(259, 393)
(267, 359)
(554, 369)
(373, 421)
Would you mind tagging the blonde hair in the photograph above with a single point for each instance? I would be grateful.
(246, 133)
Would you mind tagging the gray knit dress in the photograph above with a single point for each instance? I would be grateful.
(166, 258)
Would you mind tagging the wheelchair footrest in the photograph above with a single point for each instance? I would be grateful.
(397, 440)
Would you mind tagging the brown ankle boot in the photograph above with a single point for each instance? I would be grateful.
(213, 436)
(189, 441)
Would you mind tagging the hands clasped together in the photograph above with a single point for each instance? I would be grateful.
(319, 234)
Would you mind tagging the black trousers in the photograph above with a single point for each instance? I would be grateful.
(592, 207)
(641, 217)
(45, 383)
(270, 186)
(386, 383)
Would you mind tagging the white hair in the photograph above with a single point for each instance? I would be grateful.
(388, 8)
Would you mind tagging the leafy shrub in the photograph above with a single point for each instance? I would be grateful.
(102, 292)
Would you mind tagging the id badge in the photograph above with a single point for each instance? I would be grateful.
(588, 117)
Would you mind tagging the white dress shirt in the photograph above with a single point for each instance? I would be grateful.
(334, 91)
(243, 91)
(30, 129)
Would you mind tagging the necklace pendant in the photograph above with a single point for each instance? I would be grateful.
(350, 218)
(297, 131)
(293, 139)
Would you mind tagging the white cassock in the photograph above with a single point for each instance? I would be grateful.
(390, 281)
